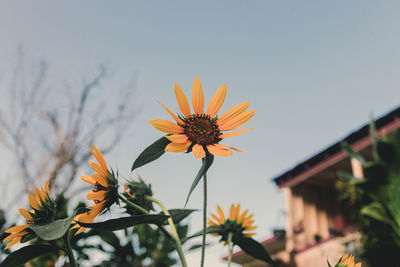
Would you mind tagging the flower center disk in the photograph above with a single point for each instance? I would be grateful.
(202, 130)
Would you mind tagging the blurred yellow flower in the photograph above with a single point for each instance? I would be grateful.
(41, 205)
(348, 261)
(200, 132)
(237, 223)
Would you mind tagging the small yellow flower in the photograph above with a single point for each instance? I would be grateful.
(199, 132)
(42, 211)
(237, 223)
(348, 261)
(104, 193)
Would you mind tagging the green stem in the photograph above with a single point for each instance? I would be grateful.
(230, 247)
(203, 242)
(133, 205)
(173, 230)
(70, 253)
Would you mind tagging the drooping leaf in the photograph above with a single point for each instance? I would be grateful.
(207, 161)
(26, 254)
(55, 229)
(151, 153)
(253, 248)
(352, 153)
(178, 215)
(126, 222)
(110, 238)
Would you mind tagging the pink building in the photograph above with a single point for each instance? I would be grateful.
(316, 228)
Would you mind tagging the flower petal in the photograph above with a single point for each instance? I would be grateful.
(97, 168)
(101, 179)
(221, 213)
(177, 138)
(98, 196)
(172, 114)
(218, 220)
(197, 96)
(88, 179)
(12, 243)
(232, 213)
(235, 133)
(227, 147)
(216, 151)
(198, 151)
(177, 147)
(24, 213)
(233, 112)
(46, 187)
(236, 121)
(33, 202)
(17, 228)
(217, 101)
(89, 216)
(242, 216)
(99, 157)
(182, 101)
(166, 126)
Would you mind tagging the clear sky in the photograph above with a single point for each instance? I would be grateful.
(312, 70)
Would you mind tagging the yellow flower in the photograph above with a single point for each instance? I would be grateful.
(237, 223)
(199, 131)
(42, 212)
(348, 261)
(104, 193)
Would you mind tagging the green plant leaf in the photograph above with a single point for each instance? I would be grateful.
(386, 151)
(178, 215)
(253, 248)
(151, 153)
(352, 153)
(329, 265)
(207, 162)
(126, 222)
(347, 176)
(376, 211)
(55, 229)
(196, 246)
(26, 254)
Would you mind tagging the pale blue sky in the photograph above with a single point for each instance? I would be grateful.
(312, 70)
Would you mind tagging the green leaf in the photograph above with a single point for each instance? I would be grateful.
(347, 176)
(178, 215)
(53, 230)
(253, 248)
(26, 254)
(110, 238)
(207, 161)
(352, 153)
(376, 211)
(151, 153)
(329, 265)
(126, 222)
(386, 151)
(196, 246)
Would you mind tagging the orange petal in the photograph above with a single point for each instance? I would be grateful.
(233, 112)
(242, 216)
(25, 214)
(211, 223)
(177, 147)
(38, 195)
(226, 147)
(236, 133)
(176, 118)
(221, 213)
(18, 234)
(218, 220)
(166, 126)
(12, 243)
(97, 168)
(100, 179)
(197, 96)
(198, 151)
(88, 179)
(177, 138)
(236, 121)
(182, 101)
(46, 187)
(217, 100)
(33, 202)
(99, 195)
(99, 157)
(216, 151)
(249, 228)
(17, 228)
(232, 213)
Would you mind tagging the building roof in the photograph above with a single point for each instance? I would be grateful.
(287, 177)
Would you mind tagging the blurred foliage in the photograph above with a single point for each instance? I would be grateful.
(374, 202)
